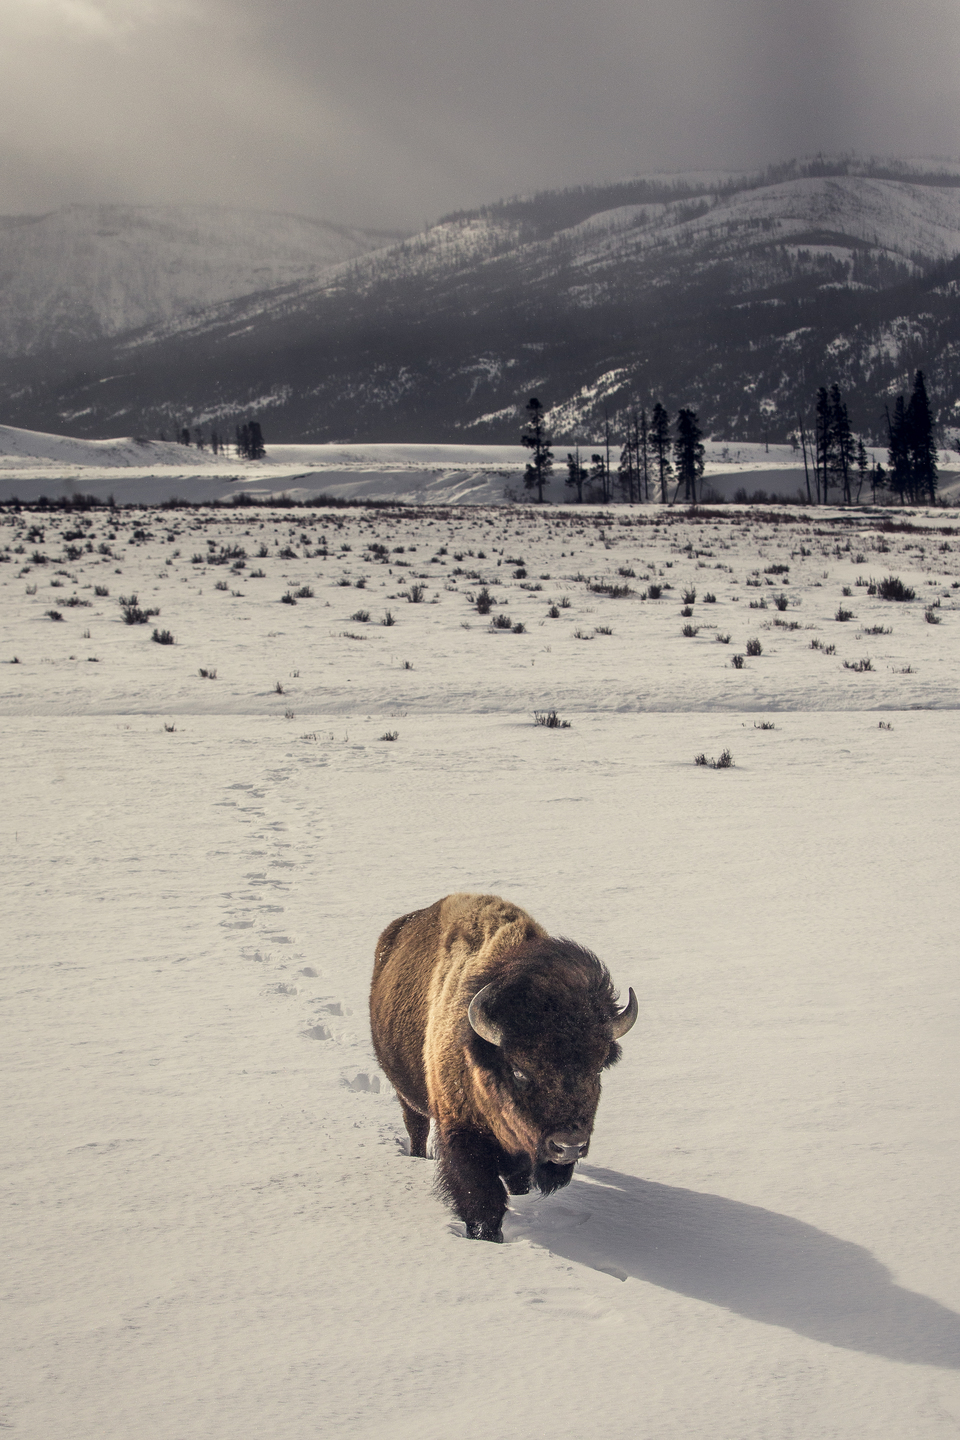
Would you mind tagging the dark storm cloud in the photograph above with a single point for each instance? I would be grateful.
(387, 112)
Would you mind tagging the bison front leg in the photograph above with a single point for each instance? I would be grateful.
(418, 1128)
(517, 1172)
(468, 1177)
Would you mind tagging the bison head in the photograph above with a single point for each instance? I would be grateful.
(542, 1030)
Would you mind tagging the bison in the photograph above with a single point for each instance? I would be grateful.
(499, 1034)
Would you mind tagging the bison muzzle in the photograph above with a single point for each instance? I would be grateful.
(499, 1034)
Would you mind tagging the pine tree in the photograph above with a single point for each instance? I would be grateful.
(898, 452)
(825, 442)
(598, 476)
(842, 441)
(863, 466)
(689, 454)
(257, 450)
(540, 467)
(660, 445)
(576, 474)
(920, 442)
(878, 480)
(642, 439)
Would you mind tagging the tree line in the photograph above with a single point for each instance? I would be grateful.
(248, 440)
(839, 458)
(651, 459)
(656, 457)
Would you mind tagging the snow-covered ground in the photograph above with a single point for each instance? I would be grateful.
(211, 1229)
(148, 472)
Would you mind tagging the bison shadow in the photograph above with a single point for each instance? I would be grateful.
(754, 1262)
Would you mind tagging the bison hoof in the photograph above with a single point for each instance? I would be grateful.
(481, 1230)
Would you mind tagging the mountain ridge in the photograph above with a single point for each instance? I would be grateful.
(736, 294)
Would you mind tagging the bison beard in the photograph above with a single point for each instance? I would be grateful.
(484, 1023)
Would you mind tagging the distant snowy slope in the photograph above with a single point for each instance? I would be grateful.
(911, 221)
(89, 271)
(915, 221)
(26, 449)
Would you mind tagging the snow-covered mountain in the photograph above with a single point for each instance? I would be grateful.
(90, 271)
(736, 294)
(914, 221)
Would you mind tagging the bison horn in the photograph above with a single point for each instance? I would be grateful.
(484, 1027)
(626, 1018)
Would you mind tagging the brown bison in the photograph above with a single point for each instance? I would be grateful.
(499, 1033)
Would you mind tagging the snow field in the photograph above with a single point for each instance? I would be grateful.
(211, 1227)
(327, 662)
(149, 472)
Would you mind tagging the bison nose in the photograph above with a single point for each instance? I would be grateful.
(566, 1149)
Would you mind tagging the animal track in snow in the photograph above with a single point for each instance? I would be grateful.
(260, 901)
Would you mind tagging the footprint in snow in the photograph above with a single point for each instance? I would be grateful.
(560, 1300)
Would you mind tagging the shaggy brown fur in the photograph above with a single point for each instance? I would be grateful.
(496, 1107)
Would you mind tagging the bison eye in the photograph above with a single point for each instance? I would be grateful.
(521, 1077)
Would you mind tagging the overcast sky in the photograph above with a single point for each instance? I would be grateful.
(390, 112)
